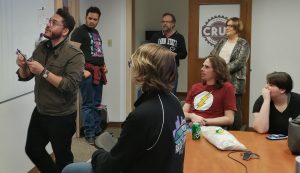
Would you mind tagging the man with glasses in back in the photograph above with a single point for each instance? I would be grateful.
(171, 39)
(57, 67)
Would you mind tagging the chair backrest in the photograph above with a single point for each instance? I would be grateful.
(105, 141)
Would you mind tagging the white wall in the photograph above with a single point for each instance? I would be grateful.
(113, 27)
(275, 43)
(14, 120)
(148, 16)
(15, 114)
(21, 24)
(15, 117)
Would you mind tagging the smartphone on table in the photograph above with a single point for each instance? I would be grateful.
(276, 137)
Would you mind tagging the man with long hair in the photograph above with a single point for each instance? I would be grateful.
(212, 101)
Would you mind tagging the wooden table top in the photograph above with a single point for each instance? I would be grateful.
(203, 157)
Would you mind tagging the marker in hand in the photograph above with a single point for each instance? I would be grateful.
(24, 56)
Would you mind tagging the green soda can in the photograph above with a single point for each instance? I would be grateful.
(196, 128)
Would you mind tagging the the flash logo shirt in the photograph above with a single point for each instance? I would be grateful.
(211, 102)
(203, 101)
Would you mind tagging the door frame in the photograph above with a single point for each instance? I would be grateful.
(72, 6)
(194, 62)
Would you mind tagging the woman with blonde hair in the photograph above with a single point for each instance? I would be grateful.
(235, 51)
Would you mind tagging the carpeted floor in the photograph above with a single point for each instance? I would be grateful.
(83, 151)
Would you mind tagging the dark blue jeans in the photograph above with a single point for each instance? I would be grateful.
(98, 95)
(91, 117)
(80, 167)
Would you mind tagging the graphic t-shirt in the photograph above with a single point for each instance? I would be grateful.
(91, 44)
(210, 102)
(175, 43)
(95, 45)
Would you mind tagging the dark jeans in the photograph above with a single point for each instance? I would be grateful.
(98, 95)
(58, 130)
(91, 117)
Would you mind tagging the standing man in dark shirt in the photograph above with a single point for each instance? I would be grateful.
(171, 39)
(87, 38)
(57, 67)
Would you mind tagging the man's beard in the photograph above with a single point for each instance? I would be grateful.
(53, 36)
(93, 26)
(166, 29)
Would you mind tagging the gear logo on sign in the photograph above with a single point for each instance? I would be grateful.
(214, 29)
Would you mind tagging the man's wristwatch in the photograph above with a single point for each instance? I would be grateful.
(45, 73)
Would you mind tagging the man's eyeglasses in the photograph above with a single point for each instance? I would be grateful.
(164, 21)
(227, 25)
(53, 22)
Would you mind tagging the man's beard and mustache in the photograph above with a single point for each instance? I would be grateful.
(167, 29)
(53, 35)
(91, 25)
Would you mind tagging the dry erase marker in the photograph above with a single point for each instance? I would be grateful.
(18, 51)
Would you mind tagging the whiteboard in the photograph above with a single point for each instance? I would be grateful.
(21, 24)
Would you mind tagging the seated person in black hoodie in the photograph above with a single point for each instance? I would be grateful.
(153, 135)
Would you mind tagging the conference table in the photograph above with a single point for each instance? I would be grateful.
(203, 157)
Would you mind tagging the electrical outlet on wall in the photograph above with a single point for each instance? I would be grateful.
(109, 42)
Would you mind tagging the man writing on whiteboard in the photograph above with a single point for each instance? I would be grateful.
(57, 68)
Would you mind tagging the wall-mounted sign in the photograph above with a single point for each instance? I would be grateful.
(212, 19)
(214, 29)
